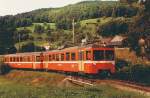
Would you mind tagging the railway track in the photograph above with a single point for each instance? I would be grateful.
(126, 85)
(119, 84)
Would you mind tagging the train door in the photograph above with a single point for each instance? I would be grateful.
(41, 60)
(46, 59)
(81, 62)
(38, 61)
(34, 61)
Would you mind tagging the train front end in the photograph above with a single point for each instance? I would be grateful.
(102, 60)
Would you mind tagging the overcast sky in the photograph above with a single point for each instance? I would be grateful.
(9, 7)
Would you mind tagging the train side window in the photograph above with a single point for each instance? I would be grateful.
(37, 58)
(67, 56)
(17, 59)
(73, 56)
(14, 59)
(53, 57)
(24, 59)
(57, 57)
(88, 55)
(81, 57)
(28, 58)
(5, 59)
(21, 59)
(98, 55)
(50, 57)
(62, 57)
(10, 59)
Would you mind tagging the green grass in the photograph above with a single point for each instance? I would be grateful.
(52, 26)
(19, 84)
(35, 35)
(101, 21)
(15, 90)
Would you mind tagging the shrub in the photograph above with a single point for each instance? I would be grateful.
(135, 73)
(120, 63)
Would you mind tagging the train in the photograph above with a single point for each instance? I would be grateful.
(91, 59)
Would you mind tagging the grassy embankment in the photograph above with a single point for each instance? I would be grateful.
(29, 84)
(89, 23)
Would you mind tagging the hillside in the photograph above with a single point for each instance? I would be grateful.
(60, 20)
(53, 26)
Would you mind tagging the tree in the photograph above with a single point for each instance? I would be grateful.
(30, 47)
(6, 39)
(39, 29)
(113, 28)
(23, 22)
(64, 24)
(22, 35)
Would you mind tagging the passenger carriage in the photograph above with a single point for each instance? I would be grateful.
(88, 59)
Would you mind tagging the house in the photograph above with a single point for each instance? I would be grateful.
(117, 41)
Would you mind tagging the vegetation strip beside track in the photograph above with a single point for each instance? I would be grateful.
(35, 84)
(125, 85)
(119, 84)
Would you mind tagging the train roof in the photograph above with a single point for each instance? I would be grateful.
(25, 53)
(64, 49)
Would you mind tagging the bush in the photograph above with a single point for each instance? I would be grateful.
(121, 63)
(4, 68)
(31, 47)
(135, 73)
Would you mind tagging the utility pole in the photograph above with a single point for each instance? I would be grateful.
(19, 42)
(73, 39)
(34, 44)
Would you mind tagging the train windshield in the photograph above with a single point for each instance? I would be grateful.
(109, 55)
(99, 55)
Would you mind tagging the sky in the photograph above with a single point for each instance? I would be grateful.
(12, 7)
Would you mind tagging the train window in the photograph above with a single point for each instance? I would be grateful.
(109, 55)
(62, 57)
(53, 57)
(14, 59)
(37, 58)
(11, 59)
(50, 57)
(88, 55)
(73, 56)
(21, 59)
(67, 56)
(28, 58)
(98, 55)
(57, 57)
(24, 59)
(81, 55)
(5, 59)
(17, 59)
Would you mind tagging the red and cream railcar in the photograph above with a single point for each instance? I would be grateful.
(24, 60)
(89, 59)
